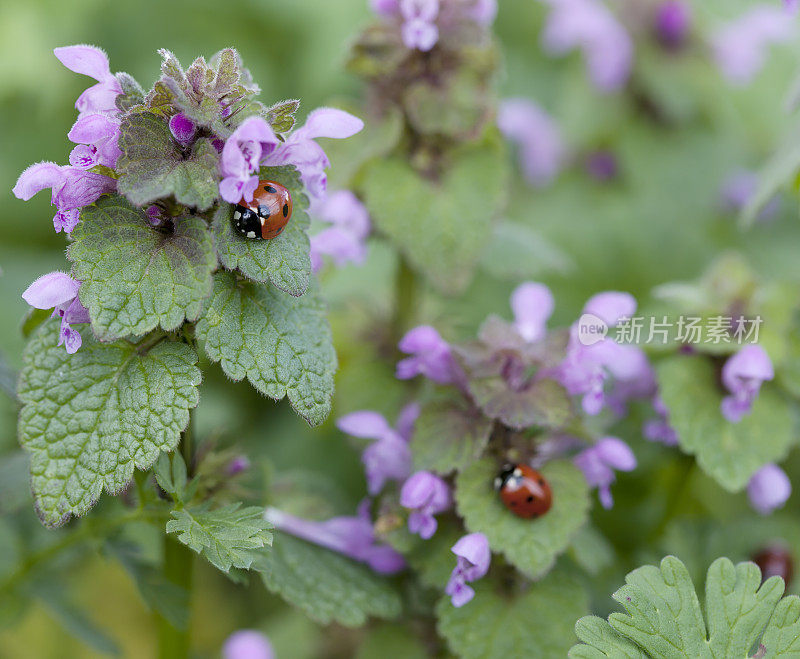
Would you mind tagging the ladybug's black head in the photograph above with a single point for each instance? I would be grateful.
(506, 472)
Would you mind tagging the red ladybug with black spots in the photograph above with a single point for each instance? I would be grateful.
(266, 215)
(524, 491)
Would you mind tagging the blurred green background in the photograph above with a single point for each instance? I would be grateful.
(659, 221)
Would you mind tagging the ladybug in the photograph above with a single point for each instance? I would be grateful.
(523, 490)
(268, 213)
(775, 561)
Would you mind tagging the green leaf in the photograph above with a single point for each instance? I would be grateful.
(327, 586)
(448, 436)
(153, 165)
(532, 545)
(729, 452)
(544, 403)
(601, 641)
(664, 618)
(228, 537)
(284, 260)
(135, 277)
(170, 473)
(90, 418)
(517, 252)
(440, 226)
(536, 623)
(281, 115)
(282, 344)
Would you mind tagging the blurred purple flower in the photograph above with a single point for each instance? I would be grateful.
(483, 12)
(385, 7)
(738, 189)
(430, 356)
(238, 465)
(742, 375)
(602, 166)
(389, 457)
(541, 148)
(300, 149)
(345, 240)
(740, 46)
(59, 291)
(182, 128)
(241, 158)
(598, 463)
(611, 306)
(532, 304)
(247, 644)
(589, 25)
(93, 62)
(672, 23)
(659, 429)
(425, 495)
(792, 5)
(72, 188)
(99, 135)
(769, 488)
(472, 563)
(351, 536)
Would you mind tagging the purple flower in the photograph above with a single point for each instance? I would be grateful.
(247, 644)
(672, 23)
(241, 158)
(93, 62)
(769, 488)
(385, 7)
(425, 495)
(598, 463)
(737, 190)
(589, 25)
(238, 465)
(419, 30)
(351, 536)
(541, 148)
(300, 149)
(611, 306)
(742, 375)
(532, 304)
(182, 128)
(72, 188)
(59, 291)
(740, 46)
(792, 5)
(484, 12)
(344, 241)
(430, 356)
(659, 429)
(472, 563)
(96, 134)
(602, 166)
(389, 457)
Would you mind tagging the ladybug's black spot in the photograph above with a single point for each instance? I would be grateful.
(286, 210)
(530, 498)
(541, 482)
(263, 210)
(270, 189)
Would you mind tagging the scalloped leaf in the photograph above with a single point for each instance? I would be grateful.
(728, 452)
(90, 418)
(282, 344)
(154, 166)
(664, 618)
(531, 545)
(134, 277)
(285, 261)
(327, 586)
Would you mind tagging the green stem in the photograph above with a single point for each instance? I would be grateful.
(173, 643)
(405, 299)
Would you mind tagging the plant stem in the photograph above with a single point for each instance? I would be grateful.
(405, 299)
(173, 643)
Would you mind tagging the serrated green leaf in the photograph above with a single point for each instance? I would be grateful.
(664, 618)
(440, 227)
(729, 452)
(531, 545)
(285, 261)
(135, 277)
(282, 344)
(281, 115)
(544, 403)
(90, 418)
(536, 623)
(327, 586)
(449, 436)
(601, 641)
(153, 165)
(228, 537)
